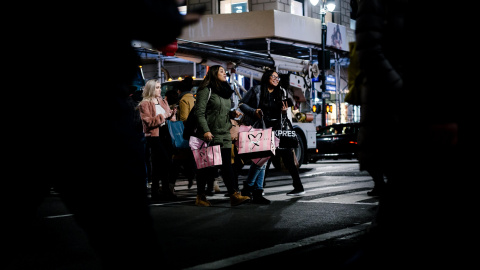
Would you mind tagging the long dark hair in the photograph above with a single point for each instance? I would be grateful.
(211, 79)
(264, 83)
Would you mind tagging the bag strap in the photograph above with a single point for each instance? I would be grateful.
(205, 144)
(285, 119)
(258, 122)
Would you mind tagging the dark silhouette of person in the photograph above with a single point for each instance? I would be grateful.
(86, 145)
(411, 226)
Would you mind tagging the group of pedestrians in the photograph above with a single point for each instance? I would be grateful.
(264, 102)
(95, 157)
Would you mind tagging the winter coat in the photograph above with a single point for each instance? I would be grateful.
(213, 115)
(250, 103)
(150, 120)
(185, 105)
(381, 41)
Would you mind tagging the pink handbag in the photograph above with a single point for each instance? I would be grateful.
(260, 161)
(256, 143)
(204, 155)
(195, 143)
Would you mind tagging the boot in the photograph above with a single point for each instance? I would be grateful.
(246, 190)
(202, 201)
(237, 199)
(258, 197)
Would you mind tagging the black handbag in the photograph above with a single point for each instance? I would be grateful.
(286, 134)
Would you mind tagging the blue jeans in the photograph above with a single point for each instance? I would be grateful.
(256, 175)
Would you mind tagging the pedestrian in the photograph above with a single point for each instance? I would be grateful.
(265, 101)
(213, 117)
(171, 96)
(134, 98)
(94, 156)
(410, 226)
(186, 101)
(154, 111)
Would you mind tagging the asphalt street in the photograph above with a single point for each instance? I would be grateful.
(322, 227)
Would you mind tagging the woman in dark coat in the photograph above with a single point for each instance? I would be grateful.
(266, 100)
(213, 117)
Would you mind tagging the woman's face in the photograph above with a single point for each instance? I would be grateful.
(158, 89)
(222, 75)
(274, 79)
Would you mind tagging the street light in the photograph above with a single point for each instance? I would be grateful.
(328, 5)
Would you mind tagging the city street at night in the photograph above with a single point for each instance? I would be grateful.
(324, 224)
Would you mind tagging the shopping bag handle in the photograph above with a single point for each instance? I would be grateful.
(205, 144)
(285, 119)
(258, 122)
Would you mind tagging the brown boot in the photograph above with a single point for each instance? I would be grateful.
(202, 201)
(237, 199)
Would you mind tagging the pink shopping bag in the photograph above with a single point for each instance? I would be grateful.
(196, 143)
(256, 143)
(207, 156)
(260, 161)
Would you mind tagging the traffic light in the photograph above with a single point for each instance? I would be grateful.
(328, 108)
(317, 108)
(326, 61)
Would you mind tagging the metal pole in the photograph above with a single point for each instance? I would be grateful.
(322, 65)
(160, 64)
(338, 93)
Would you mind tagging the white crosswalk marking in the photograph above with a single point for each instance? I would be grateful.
(338, 189)
(348, 198)
(338, 185)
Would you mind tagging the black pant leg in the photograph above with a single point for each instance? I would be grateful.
(287, 157)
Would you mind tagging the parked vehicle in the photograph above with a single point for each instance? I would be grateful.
(175, 84)
(337, 141)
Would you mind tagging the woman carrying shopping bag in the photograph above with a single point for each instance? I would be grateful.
(213, 125)
(266, 100)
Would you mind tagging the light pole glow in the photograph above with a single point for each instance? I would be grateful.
(329, 5)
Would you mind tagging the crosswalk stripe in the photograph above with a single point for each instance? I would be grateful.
(353, 190)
